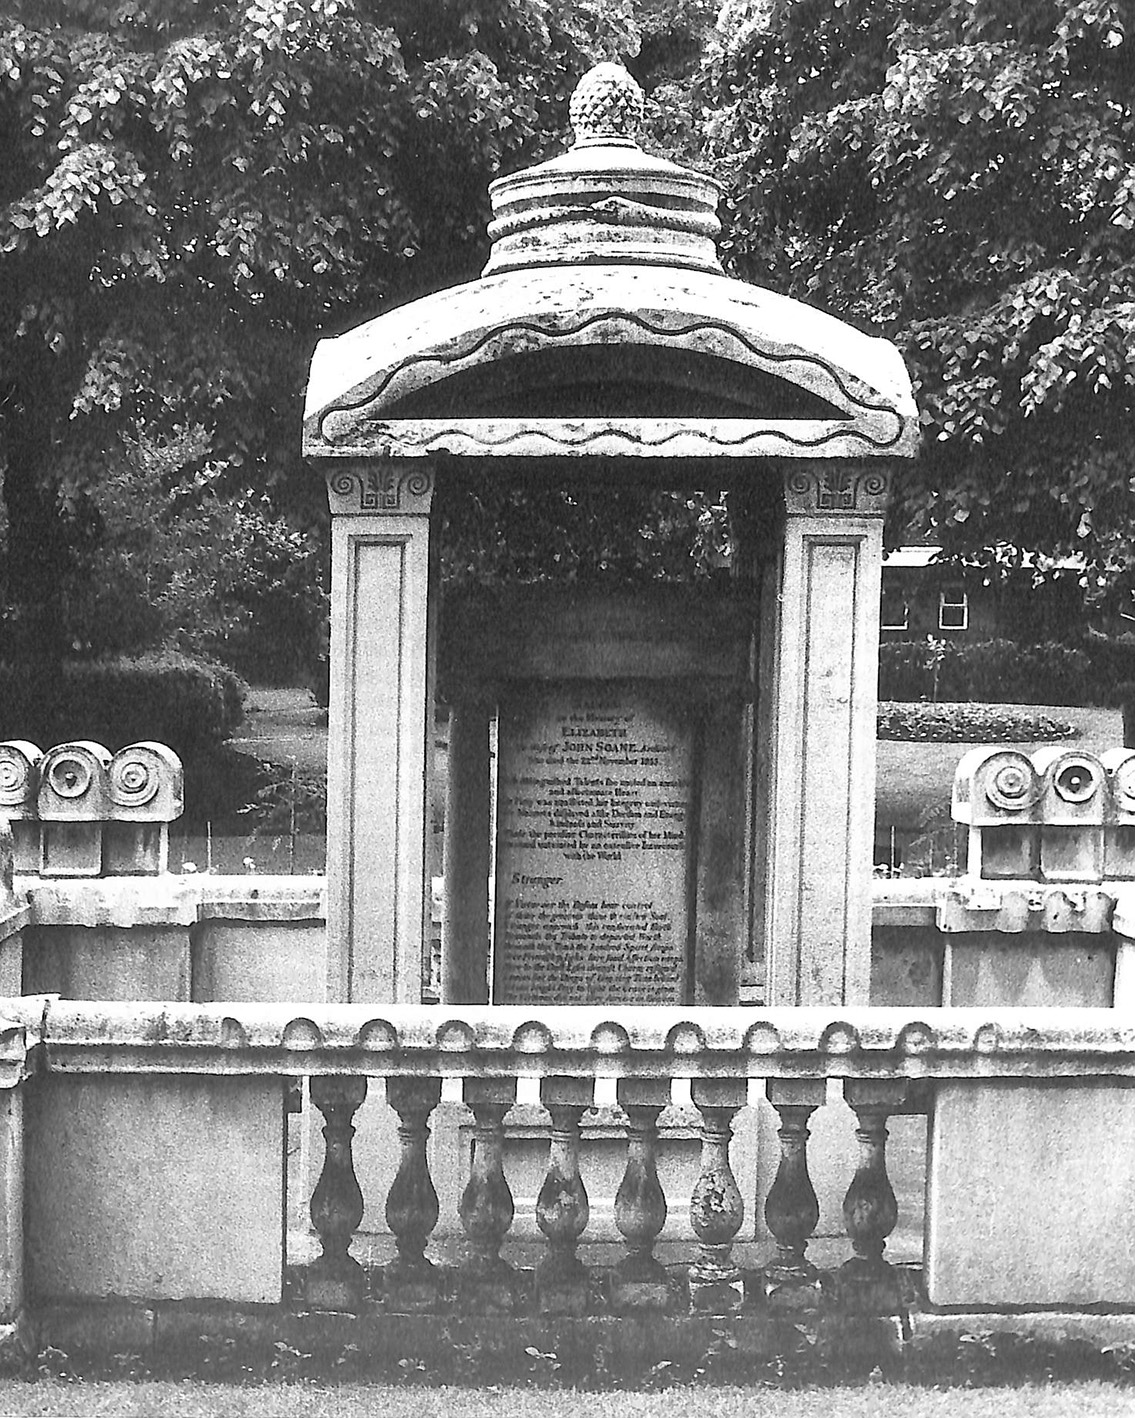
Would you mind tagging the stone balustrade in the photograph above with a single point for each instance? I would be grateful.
(79, 810)
(1058, 814)
(1008, 1069)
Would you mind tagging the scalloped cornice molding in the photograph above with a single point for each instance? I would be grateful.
(590, 1042)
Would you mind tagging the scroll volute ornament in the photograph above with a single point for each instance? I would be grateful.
(145, 783)
(19, 778)
(73, 782)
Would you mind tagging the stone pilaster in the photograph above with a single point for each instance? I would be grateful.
(19, 1032)
(818, 716)
(379, 730)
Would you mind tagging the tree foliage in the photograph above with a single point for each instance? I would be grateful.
(194, 191)
(959, 174)
(176, 564)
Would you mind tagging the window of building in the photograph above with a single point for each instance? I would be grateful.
(895, 611)
(953, 609)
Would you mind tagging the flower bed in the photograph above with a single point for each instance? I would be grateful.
(969, 723)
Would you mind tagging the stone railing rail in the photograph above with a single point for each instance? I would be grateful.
(890, 1061)
(509, 1041)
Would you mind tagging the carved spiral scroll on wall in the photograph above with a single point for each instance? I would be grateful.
(69, 772)
(135, 776)
(380, 487)
(19, 776)
(833, 488)
(698, 332)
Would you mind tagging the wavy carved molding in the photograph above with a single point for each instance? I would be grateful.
(613, 438)
(360, 380)
(520, 337)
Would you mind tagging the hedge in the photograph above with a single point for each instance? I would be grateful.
(1003, 672)
(191, 705)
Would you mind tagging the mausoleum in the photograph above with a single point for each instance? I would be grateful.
(704, 766)
(679, 1019)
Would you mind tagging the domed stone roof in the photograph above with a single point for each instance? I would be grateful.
(603, 325)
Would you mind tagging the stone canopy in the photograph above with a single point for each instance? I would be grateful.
(603, 325)
(780, 378)
(604, 343)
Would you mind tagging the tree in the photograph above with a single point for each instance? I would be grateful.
(194, 191)
(176, 565)
(960, 175)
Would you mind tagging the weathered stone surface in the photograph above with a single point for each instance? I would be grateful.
(145, 783)
(1030, 1194)
(335, 1281)
(73, 782)
(119, 902)
(135, 848)
(175, 900)
(604, 199)
(70, 848)
(19, 777)
(378, 744)
(818, 723)
(1058, 814)
(85, 962)
(261, 960)
(155, 1188)
(11, 963)
(988, 970)
(589, 1042)
(11, 1204)
(906, 967)
(358, 379)
(967, 904)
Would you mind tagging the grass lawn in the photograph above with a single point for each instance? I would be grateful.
(50, 1398)
(285, 726)
(912, 777)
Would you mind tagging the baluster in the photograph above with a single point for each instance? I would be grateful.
(336, 1281)
(639, 1281)
(716, 1208)
(486, 1203)
(867, 1281)
(411, 1282)
(791, 1281)
(561, 1207)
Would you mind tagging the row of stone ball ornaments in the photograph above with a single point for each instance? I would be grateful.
(1054, 815)
(80, 810)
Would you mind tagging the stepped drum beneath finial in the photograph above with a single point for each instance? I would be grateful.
(605, 200)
